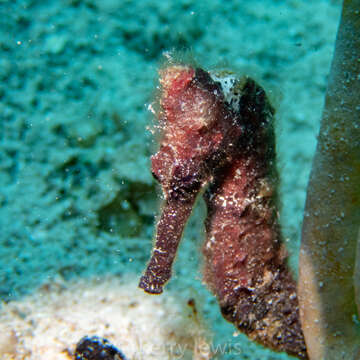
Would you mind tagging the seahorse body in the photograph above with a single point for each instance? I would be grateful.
(218, 130)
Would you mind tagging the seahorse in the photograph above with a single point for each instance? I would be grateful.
(217, 131)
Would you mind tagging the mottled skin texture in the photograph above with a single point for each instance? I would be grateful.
(196, 133)
(206, 140)
(245, 262)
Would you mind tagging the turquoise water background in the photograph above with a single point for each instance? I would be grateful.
(77, 198)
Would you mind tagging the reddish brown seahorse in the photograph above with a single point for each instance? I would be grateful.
(218, 130)
(197, 135)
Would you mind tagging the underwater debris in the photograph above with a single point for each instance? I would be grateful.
(218, 130)
(97, 348)
(47, 324)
